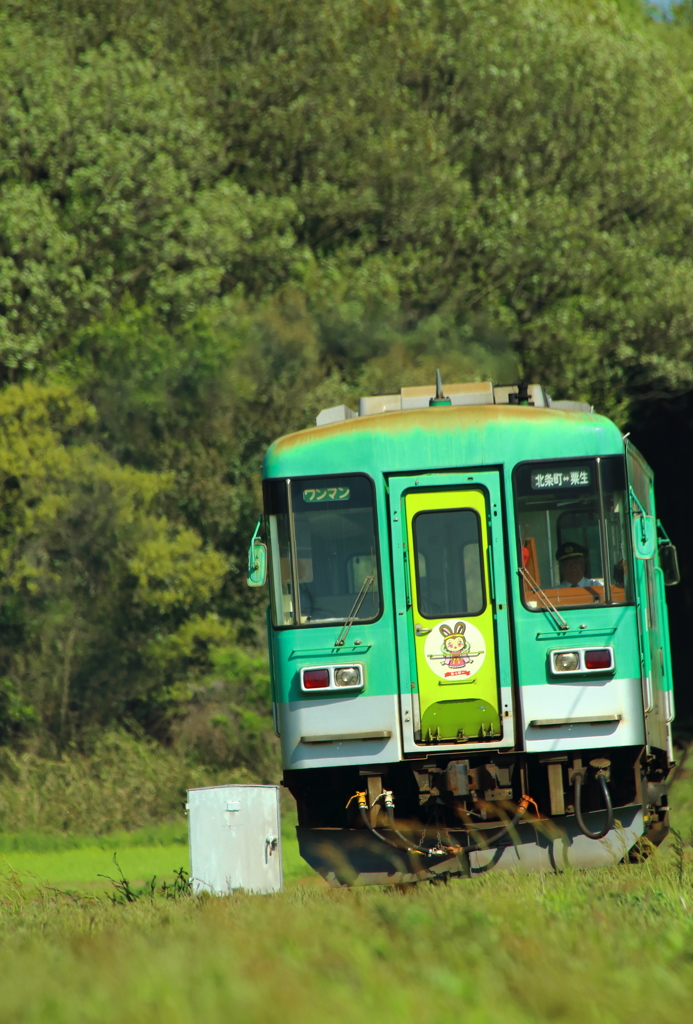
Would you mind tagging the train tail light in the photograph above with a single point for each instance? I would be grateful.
(316, 679)
(601, 659)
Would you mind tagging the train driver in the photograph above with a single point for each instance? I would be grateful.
(572, 559)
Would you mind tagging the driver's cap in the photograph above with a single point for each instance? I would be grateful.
(570, 550)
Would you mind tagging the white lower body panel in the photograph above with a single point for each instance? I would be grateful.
(324, 731)
(583, 713)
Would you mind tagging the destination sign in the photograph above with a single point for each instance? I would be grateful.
(313, 494)
(565, 479)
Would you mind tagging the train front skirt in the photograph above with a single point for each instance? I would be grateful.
(346, 857)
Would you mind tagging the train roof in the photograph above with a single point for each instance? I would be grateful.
(470, 425)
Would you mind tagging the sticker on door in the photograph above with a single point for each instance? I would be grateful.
(455, 650)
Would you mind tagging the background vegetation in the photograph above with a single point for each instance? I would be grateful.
(599, 947)
(218, 217)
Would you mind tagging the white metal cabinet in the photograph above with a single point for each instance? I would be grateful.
(235, 839)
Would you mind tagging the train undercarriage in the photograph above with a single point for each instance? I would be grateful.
(442, 816)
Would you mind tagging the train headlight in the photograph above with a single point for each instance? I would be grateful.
(347, 676)
(566, 661)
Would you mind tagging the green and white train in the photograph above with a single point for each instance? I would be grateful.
(468, 635)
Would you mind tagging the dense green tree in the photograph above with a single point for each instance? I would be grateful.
(526, 166)
(95, 579)
(111, 182)
(218, 217)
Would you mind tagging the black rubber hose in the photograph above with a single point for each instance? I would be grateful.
(608, 825)
(491, 839)
(501, 833)
(407, 848)
(391, 823)
(413, 848)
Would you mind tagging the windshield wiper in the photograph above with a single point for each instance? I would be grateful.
(546, 602)
(360, 597)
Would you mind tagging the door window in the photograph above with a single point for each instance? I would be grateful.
(448, 560)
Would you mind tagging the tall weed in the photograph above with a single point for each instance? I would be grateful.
(125, 783)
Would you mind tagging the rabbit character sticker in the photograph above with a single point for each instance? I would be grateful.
(455, 651)
(455, 646)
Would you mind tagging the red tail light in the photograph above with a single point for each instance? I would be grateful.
(316, 678)
(598, 659)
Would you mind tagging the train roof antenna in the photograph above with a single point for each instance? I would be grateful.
(440, 398)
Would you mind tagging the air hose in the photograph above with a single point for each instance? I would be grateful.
(429, 852)
(578, 776)
(522, 806)
(408, 848)
(437, 851)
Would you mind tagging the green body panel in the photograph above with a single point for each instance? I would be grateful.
(653, 620)
(440, 438)
(535, 636)
(443, 443)
(294, 649)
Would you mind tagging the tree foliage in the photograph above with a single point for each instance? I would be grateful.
(529, 167)
(218, 217)
(94, 575)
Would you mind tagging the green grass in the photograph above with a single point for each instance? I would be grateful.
(82, 869)
(613, 945)
(599, 947)
(164, 834)
(78, 862)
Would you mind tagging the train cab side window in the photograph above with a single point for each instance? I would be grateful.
(573, 531)
(281, 576)
(323, 549)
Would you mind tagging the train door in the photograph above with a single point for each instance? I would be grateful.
(452, 610)
(652, 616)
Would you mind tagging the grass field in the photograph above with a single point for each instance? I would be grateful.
(84, 863)
(603, 946)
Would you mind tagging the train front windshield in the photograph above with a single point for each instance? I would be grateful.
(323, 550)
(572, 518)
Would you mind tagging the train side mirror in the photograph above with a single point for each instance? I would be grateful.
(257, 564)
(257, 560)
(644, 537)
(669, 562)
